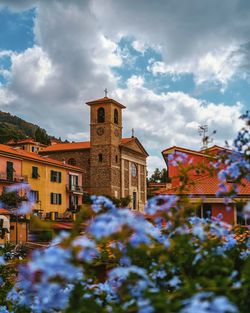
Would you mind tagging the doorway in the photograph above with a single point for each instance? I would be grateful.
(134, 200)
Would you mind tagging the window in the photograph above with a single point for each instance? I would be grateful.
(100, 158)
(73, 181)
(10, 170)
(35, 172)
(207, 210)
(116, 158)
(55, 198)
(55, 176)
(72, 161)
(116, 116)
(73, 201)
(133, 170)
(34, 195)
(101, 115)
(198, 212)
(241, 217)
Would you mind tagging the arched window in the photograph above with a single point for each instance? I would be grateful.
(101, 115)
(72, 161)
(116, 116)
(100, 157)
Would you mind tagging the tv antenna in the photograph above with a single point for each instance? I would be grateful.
(206, 139)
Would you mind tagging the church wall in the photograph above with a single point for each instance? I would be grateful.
(134, 184)
(82, 158)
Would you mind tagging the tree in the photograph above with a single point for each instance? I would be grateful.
(159, 176)
(11, 199)
(41, 136)
(156, 176)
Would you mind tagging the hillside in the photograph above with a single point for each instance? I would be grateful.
(15, 128)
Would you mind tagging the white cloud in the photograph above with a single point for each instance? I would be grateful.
(154, 162)
(6, 96)
(139, 46)
(30, 70)
(172, 118)
(76, 48)
(80, 136)
(218, 66)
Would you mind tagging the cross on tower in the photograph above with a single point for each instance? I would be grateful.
(106, 92)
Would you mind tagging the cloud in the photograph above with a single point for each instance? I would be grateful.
(77, 48)
(172, 118)
(139, 46)
(218, 66)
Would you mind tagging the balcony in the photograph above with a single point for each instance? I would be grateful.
(74, 189)
(12, 178)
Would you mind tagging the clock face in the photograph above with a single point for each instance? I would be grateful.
(100, 131)
(116, 132)
(133, 170)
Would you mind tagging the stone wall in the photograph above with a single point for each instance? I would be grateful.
(82, 158)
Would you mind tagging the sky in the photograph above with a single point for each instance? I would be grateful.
(174, 64)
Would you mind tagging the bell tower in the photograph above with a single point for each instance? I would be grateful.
(105, 140)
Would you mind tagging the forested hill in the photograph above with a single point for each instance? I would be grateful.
(15, 128)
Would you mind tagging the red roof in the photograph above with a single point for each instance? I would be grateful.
(201, 153)
(35, 157)
(25, 141)
(82, 145)
(207, 185)
(4, 211)
(67, 146)
(105, 100)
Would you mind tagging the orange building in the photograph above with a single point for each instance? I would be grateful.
(56, 187)
(204, 187)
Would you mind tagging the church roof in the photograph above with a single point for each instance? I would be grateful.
(82, 145)
(67, 146)
(105, 100)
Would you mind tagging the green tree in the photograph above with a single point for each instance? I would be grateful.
(156, 176)
(11, 199)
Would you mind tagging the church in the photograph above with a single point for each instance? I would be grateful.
(112, 165)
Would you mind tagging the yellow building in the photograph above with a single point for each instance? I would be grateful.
(27, 144)
(56, 187)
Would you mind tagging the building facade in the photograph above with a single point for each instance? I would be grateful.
(203, 186)
(113, 166)
(55, 187)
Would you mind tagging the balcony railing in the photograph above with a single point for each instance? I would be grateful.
(13, 177)
(74, 189)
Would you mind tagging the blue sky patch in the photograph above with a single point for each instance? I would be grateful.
(18, 30)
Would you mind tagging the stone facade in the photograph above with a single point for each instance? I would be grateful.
(112, 166)
(82, 158)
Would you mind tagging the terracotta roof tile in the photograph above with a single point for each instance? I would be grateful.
(30, 140)
(82, 145)
(35, 157)
(105, 100)
(67, 146)
(4, 211)
(209, 186)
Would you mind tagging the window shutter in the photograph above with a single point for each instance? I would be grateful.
(51, 198)
(60, 198)
(60, 177)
